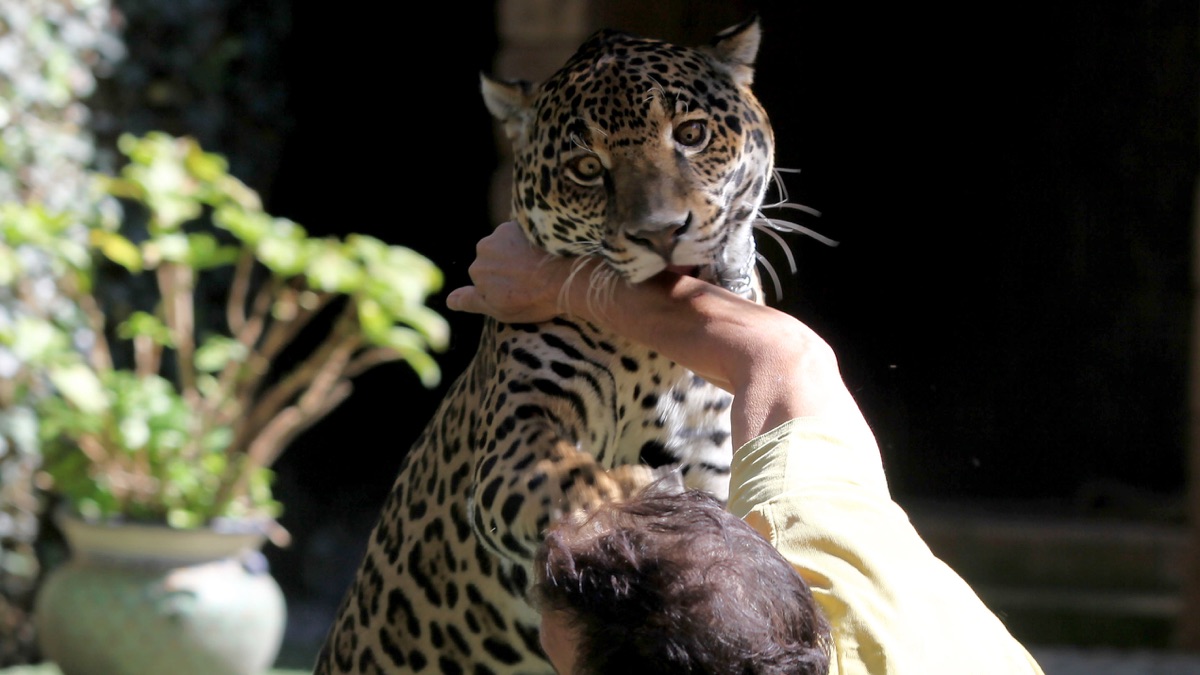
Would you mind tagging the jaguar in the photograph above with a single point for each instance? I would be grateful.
(652, 156)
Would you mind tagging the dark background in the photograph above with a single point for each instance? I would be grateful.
(1012, 188)
(391, 138)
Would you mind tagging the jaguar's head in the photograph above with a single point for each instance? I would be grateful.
(648, 154)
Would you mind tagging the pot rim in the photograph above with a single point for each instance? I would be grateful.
(157, 543)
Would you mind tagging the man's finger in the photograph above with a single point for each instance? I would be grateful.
(465, 299)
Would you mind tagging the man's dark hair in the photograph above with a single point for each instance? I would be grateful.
(670, 582)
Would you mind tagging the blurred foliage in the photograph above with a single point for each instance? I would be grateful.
(51, 52)
(185, 434)
(209, 69)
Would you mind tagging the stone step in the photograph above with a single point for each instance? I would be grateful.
(1061, 579)
(1085, 617)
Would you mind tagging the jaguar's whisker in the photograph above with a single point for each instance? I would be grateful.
(762, 225)
(787, 250)
(766, 264)
(791, 205)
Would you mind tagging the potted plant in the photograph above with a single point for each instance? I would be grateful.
(158, 414)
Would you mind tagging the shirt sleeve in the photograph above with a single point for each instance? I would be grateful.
(816, 489)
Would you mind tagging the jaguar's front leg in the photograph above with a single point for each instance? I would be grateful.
(533, 476)
(548, 439)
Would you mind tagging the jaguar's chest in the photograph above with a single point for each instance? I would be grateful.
(616, 400)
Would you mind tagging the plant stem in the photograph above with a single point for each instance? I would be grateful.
(176, 284)
(100, 354)
(331, 356)
(239, 291)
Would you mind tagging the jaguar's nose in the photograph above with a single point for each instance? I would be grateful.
(663, 238)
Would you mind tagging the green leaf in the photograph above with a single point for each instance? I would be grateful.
(218, 350)
(38, 341)
(377, 320)
(80, 386)
(284, 248)
(117, 249)
(214, 463)
(32, 224)
(247, 225)
(134, 432)
(258, 493)
(10, 266)
(396, 270)
(167, 247)
(433, 326)
(424, 366)
(184, 519)
(156, 169)
(411, 345)
(143, 324)
(205, 166)
(216, 440)
(330, 270)
(374, 320)
(122, 188)
(205, 252)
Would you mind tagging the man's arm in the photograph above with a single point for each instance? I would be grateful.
(814, 488)
(776, 367)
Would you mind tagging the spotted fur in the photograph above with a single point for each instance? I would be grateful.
(649, 155)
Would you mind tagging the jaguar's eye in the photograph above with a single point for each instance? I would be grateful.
(585, 169)
(691, 134)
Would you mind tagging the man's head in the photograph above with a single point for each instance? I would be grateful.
(670, 582)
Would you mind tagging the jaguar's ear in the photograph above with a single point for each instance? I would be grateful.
(737, 47)
(511, 102)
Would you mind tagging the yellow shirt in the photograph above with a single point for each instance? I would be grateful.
(816, 489)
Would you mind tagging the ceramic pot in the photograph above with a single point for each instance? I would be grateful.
(153, 600)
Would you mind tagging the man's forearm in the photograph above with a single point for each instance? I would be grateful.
(776, 367)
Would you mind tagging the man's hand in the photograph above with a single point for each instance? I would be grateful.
(514, 282)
